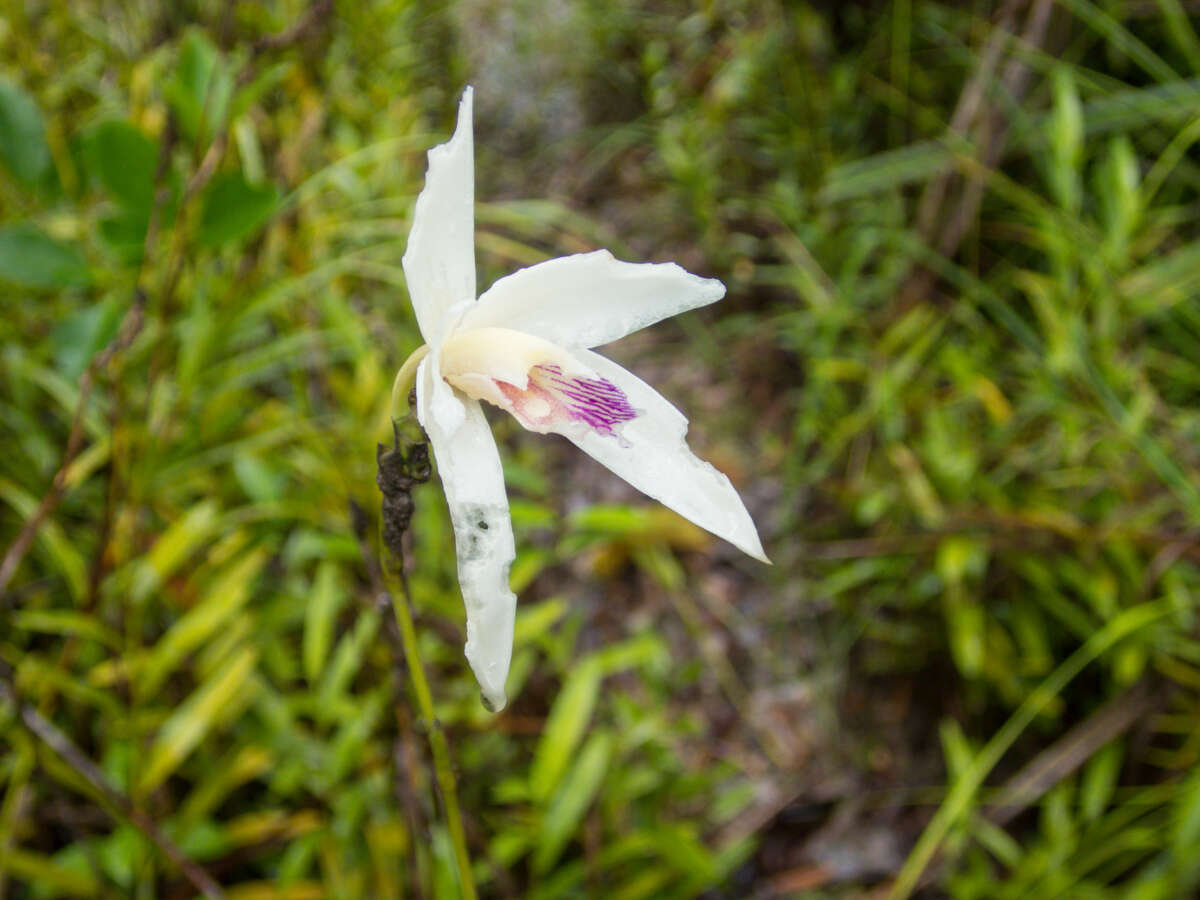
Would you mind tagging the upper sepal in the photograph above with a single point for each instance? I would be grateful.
(589, 299)
(439, 261)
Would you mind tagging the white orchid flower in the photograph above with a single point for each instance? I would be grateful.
(524, 346)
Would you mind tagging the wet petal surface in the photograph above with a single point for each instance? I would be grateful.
(469, 466)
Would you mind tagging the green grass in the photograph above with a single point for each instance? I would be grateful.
(955, 378)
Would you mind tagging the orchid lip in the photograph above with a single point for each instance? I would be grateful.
(540, 384)
(553, 401)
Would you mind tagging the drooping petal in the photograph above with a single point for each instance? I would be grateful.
(650, 452)
(590, 299)
(469, 467)
(439, 261)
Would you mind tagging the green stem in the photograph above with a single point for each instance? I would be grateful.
(397, 583)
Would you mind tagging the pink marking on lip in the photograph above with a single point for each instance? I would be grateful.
(552, 400)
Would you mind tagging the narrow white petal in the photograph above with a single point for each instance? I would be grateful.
(437, 403)
(469, 466)
(439, 262)
(651, 453)
(590, 299)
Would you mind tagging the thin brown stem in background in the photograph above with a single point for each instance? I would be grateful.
(943, 222)
(406, 758)
(47, 733)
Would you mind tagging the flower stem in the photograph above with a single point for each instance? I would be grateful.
(397, 582)
(405, 379)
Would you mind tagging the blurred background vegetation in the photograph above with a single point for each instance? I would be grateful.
(955, 378)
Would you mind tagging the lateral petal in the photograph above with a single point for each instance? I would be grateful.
(469, 466)
(439, 261)
(650, 452)
(589, 299)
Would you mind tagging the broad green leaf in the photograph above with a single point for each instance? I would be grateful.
(125, 233)
(233, 208)
(200, 90)
(320, 613)
(573, 799)
(79, 335)
(30, 258)
(123, 158)
(188, 725)
(568, 719)
(23, 146)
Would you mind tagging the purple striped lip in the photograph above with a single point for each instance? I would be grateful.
(553, 400)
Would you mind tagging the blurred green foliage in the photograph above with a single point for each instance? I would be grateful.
(954, 376)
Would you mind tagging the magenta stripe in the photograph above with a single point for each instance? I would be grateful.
(596, 402)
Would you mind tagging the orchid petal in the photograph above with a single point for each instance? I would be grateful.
(589, 299)
(650, 452)
(439, 262)
(469, 465)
